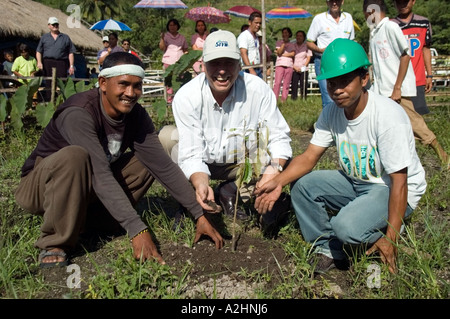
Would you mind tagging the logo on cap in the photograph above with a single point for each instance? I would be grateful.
(222, 43)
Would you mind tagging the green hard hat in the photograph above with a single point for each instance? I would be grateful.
(342, 56)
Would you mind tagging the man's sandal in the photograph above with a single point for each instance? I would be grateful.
(46, 253)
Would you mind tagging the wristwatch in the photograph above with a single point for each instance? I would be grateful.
(277, 166)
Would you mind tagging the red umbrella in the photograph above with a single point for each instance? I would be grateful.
(241, 11)
(207, 14)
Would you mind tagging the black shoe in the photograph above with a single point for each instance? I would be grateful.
(227, 199)
(271, 221)
(322, 263)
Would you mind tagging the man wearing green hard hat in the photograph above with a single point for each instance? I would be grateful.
(380, 179)
(343, 57)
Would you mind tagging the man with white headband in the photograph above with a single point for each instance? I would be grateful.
(97, 157)
(212, 113)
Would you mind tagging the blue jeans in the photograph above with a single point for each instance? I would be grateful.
(257, 70)
(326, 99)
(362, 211)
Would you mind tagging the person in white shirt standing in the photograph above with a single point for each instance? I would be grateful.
(324, 28)
(228, 110)
(248, 43)
(393, 73)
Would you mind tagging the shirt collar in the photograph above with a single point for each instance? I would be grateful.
(341, 17)
(382, 22)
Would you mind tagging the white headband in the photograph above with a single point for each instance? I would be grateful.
(123, 69)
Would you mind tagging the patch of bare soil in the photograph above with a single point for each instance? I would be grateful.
(220, 273)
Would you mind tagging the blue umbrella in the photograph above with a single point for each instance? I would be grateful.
(110, 24)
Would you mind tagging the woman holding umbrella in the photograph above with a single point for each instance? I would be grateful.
(174, 45)
(301, 61)
(197, 40)
(284, 64)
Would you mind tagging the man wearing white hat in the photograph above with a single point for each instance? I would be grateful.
(103, 51)
(55, 50)
(213, 112)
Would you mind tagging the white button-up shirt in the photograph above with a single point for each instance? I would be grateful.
(324, 29)
(209, 133)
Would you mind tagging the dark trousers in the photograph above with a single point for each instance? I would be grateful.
(59, 188)
(299, 80)
(62, 67)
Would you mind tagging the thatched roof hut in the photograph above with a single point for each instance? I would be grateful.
(26, 19)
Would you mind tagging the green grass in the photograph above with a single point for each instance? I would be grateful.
(424, 248)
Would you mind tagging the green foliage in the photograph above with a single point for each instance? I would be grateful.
(131, 279)
(250, 162)
(44, 112)
(3, 108)
(250, 168)
(19, 102)
(161, 109)
(22, 100)
(176, 75)
(439, 14)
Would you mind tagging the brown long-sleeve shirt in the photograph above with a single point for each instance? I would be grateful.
(81, 121)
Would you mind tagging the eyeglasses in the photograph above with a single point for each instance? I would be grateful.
(126, 43)
(55, 25)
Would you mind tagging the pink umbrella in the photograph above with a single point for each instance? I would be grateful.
(161, 4)
(207, 14)
(241, 11)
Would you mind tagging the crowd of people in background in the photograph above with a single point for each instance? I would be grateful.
(407, 85)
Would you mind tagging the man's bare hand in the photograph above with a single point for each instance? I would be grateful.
(205, 197)
(204, 227)
(388, 252)
(266, 196)
(145, 248)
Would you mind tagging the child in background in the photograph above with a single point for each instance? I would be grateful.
(7, 64)
(25, 64)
